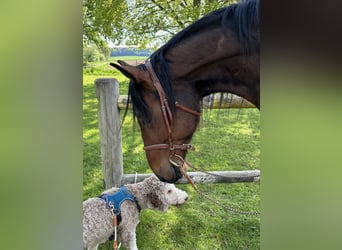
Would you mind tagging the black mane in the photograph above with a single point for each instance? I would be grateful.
(242, 17)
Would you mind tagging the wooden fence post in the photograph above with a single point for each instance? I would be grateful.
(107, 92)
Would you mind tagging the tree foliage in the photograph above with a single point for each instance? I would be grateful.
(141, 22)
(94, 54)
(102, 19)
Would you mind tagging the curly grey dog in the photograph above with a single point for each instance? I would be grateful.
(97, 217)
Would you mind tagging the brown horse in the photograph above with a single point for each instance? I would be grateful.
(217, 53)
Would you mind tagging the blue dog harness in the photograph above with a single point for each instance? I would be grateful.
(114, 201)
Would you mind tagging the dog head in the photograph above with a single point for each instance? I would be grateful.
(162, 194)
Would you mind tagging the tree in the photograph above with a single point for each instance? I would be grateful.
(102, 19)
(105, 51)
(141, 22)
(94, 54)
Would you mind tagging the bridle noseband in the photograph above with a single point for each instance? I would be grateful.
(167, 115)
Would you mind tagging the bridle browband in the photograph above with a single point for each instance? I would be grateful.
(167, 115)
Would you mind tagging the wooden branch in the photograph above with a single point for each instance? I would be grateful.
(199, 177)
(225, 100)
(216, 101)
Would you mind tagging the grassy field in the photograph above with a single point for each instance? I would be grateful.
(225, 140)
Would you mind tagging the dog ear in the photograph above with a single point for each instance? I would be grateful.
(154, 200)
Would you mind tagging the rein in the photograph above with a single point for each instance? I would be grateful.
(182, 166)
(167, 115)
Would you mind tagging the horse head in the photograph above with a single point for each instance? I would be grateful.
(165, 132)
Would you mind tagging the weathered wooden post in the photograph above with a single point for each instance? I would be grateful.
(107, 92)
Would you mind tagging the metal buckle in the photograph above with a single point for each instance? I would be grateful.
(111, 205)
(188, 146)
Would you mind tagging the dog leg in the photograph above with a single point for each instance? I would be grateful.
(128, 238)
(92, 247)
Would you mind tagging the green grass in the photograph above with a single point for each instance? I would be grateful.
(225, 140)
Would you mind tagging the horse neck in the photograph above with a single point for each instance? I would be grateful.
(213, 62)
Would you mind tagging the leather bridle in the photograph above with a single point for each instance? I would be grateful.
(167, 115)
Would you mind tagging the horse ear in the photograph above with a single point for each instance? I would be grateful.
(132, 72)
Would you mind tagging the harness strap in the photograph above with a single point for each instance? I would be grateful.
(114, 201)
(167, 115)
(166, 146)
(191, 111)
(115, 224)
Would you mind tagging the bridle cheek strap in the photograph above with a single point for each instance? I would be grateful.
(167, 115)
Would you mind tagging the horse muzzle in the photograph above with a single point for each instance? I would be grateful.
(172, 176)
